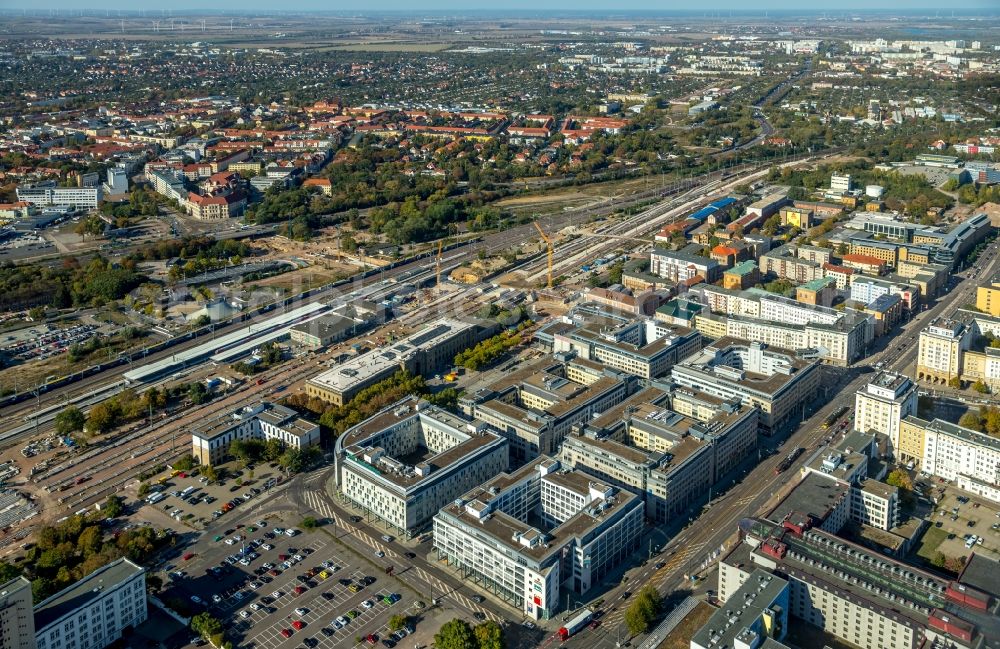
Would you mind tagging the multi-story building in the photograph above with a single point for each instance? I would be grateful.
(95, 611)
(883, 250)
(647, 348)
(784, 262)
(422, 352)
(940, 349)
(883, 402)
(537, 406)
(988, 297)
(741, 276)
(772, 379)
(531, 535)
(48, 194)
(767, 205)
(679, 266)
(405, 463)
(214, 207)
(818, 292)
(325, 330)
(797, 217)
(969, 458)
(962, 238)
(210, 441)
(869, 289)
(755, 616)
(17, 622)
(670, 459)
(858, 595)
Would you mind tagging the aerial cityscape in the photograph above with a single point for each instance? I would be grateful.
(454, 326)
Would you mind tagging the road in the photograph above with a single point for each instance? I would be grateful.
(687, 552)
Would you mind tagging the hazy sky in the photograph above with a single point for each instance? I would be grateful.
(458, 6)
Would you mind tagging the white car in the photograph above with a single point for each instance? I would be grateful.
(301, 611)
(217, 598)
(276, 594)
(255, 585)
(341, 620)
(239, 595)
(230, 541)
(255, 606)
(368, 603)
(379, 554)
(297, 557)
(244, 614)
(267, 546)
(244, 562)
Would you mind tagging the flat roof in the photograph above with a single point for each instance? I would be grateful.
(740, 611)
(82, 593)
(815, 494)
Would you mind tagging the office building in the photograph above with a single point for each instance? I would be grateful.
(536, 406)
(755, 616)
(95, 611)
(210, 441)
(422, 352)
(535, 534)
(869, 289)
(772, 379)
(858, 595)
(405, 463)
(841, 184)
(47, 194)
(670, 459)
(679, 266)
(17, 621)
(961, 239)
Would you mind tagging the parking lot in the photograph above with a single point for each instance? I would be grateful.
(962, 516)
(273, 590)
(189, 498)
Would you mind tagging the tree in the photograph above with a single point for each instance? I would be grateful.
(455, 634)
(207, 626)
(8, 572)
(971, 420)
(143, 489)
(103, 417)
(955, 382)
(113, 507)
(900, 479)
(210, 473)
(489, 635)
(309, 523)
(643, 611)
(981, 387)
(397, 622)
(70, 420)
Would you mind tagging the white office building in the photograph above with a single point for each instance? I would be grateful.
(49, 195)
(210, 442)
(17, 621)
(969, 458)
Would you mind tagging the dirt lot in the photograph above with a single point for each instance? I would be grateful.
(680, 637)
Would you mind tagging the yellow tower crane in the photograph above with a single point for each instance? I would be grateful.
(548, 242)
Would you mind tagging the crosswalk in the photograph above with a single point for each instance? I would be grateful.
(416, 576)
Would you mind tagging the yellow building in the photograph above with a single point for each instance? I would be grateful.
(798, 217)
(911, 439)
(887, 252)
(988, 297)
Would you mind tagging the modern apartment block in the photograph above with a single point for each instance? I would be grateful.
(858, 595)
(532, 535)
(645, 347)
(680, 266)
(773, 379)
(210, 441)
(537, 406)
(883, 402)
(405, 463)
(670, 459)
(48, 194)
(422, 352)
(93, 612)
(785, 262)
(17, 621)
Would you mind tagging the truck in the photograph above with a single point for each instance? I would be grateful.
(581, 620)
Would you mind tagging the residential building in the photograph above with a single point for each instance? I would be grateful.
(864, 263)
(755, 616)
(858, 595)
(887, 311)
(48, 194)
(885, 251)
(941, 345)
(536, 406)
(988, 297)
(17, 621)
(533, 535)
(841, 184)
(817, 292)
(772, 379)
(679, 266)
(840, 274)
(214, 207)
(210, 441)
(422, 352)
(93, 612)
(968, 458)
(670, 459)
(868, 289)
(646, 347)
(883, 403)
(409, 460)
(784, 262)
(741, 276)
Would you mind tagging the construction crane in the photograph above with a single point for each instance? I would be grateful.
(548, 242)
(440, 246)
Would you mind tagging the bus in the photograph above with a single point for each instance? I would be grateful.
(834, 416)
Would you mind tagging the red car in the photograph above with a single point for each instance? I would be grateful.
(188, 556)
(299, 590)
(298, 624)
(372, 638)
(287, 633)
